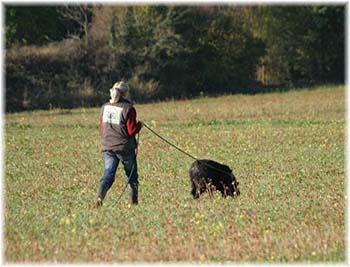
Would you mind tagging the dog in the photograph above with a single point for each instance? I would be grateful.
(207, 175)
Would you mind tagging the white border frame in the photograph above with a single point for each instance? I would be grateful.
(184, 2)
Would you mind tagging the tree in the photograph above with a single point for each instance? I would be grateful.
(193, 49)
(326, 43)
(25, 25)
(161, 51)
(305, 44)
(81, 16)
(113, 34)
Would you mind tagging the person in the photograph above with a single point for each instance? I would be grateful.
(117, 128)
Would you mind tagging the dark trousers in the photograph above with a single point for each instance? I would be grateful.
(111, 161)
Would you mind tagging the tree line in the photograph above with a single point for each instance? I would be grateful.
(68, 56)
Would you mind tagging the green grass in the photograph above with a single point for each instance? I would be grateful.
(286, 150)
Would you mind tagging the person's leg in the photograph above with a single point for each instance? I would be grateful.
(130, 168)
(111, 162)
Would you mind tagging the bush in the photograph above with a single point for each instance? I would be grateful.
(46, 77)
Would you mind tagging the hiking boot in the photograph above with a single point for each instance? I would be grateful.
(98, 202)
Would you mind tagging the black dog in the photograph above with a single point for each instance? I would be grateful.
(208, 174)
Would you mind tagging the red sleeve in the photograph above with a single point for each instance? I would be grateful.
(131, 124)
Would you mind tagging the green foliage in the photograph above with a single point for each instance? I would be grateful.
(77, 19)
(304, 43)
(189, 49)
(169, 51)
(161, 60)
(32, 25)
(228, 55)
(286, 150)
(129, 45)
(48, 81)
(113, 35)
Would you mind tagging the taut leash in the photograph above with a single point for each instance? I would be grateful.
(184, 152)
(169, 143)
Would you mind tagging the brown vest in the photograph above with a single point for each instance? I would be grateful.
(115, 135)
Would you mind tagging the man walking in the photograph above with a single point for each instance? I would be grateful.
(117, 128)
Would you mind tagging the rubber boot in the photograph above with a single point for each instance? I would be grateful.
(133, 193)
(99, 202)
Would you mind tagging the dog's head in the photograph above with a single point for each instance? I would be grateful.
(233, 189)
(236, 191)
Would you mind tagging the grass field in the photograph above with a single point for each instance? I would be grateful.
(286, 149)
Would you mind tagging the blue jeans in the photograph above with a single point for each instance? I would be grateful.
(111, 162)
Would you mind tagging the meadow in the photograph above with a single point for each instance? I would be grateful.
(286, 149)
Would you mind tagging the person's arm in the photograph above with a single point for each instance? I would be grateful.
(132, 125)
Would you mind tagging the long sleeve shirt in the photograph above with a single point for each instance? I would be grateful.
(131, 124)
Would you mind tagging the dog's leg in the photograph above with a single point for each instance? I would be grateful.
(223, 189)
(194, 191)
(209, 187)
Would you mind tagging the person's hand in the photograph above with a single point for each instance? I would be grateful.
(141, 122)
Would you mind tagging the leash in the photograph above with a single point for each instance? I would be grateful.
(169, 143)
(131, 173)
(184, 152)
